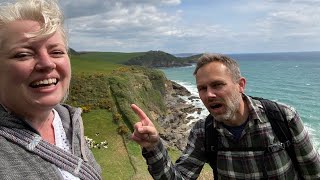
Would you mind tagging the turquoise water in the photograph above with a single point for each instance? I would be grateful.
(291, 78)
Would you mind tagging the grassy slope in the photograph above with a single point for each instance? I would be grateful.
(99, 62)
(98, 121)
(88, 89)
(94, 77)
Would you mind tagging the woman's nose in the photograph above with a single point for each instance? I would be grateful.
(45, 62)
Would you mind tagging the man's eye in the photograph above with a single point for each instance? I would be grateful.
(218, 85)
(201, 88)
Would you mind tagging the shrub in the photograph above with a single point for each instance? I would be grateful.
(116, 117)
(123, 130)
(86, 109)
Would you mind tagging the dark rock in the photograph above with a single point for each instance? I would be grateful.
(193, 98)
(180, 90)
(174, 124)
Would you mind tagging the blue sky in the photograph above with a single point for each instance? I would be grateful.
(193, 26)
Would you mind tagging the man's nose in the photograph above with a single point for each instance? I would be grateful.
(211, 92)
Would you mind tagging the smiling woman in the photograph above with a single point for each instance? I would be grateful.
(39, 137)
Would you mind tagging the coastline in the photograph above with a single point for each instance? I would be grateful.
(183, 112)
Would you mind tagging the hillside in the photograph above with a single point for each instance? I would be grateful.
(106, 100)
(159, 59)
(105, 88)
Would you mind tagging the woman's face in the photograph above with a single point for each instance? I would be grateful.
(34, 73)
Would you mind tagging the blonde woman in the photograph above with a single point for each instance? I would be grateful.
(39, 137)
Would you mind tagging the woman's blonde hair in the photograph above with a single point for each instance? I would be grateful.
(46, 12)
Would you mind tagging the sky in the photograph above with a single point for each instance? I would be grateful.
(193, 26)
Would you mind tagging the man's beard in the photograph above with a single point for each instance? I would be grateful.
(232, 105)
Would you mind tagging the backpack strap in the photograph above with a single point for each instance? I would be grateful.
(280, 127)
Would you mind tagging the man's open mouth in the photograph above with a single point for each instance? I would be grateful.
(215, 106)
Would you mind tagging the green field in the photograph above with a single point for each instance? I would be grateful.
(99, 62)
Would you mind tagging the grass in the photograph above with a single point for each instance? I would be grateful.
(114, 160)
(99, 62)
(141, 172)
(111, 57)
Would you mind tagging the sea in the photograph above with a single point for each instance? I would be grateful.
(292, 78)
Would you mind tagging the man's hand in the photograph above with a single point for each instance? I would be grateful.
(145, 134)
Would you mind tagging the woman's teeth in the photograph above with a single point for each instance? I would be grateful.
(44, 82)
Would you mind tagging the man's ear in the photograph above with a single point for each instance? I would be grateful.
(242, 84)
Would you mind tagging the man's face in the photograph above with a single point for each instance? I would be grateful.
(219, 93)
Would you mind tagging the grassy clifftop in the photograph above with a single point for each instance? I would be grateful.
(104, 89)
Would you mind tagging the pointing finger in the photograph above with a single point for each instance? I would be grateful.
(143, 117)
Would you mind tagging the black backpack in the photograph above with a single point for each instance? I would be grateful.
(279, 126)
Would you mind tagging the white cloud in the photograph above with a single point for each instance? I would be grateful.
(193, 26)
(136, 23)
(78, 8)
(126, 25)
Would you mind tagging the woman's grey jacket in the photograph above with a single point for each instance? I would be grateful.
(23, 155)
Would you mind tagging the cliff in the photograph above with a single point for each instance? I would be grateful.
(159, 97)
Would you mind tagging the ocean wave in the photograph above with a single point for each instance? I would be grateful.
(313, 136)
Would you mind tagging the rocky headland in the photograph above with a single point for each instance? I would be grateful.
(176, 124)
(156, 59)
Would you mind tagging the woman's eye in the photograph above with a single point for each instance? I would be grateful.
(22, 55)
(58, 53)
